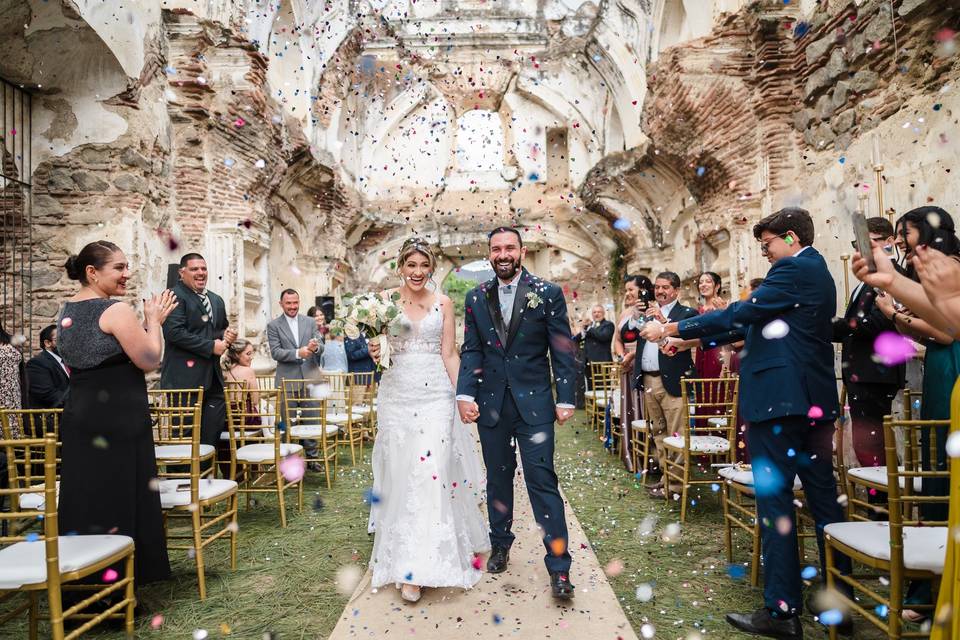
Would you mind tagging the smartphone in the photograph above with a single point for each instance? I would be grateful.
(862, 236)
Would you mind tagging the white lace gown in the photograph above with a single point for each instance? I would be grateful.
(427, 477)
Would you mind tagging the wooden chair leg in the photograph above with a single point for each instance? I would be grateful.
(34, 618)
(283, 506)
(727, 527)
(197, 522)
(234, 507)
(130, 596)
(684, 486)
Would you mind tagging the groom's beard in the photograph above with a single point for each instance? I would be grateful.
(506, 271)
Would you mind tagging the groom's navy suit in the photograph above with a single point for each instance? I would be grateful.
(506, 371)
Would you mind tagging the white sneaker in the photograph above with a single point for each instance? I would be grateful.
(410, 592)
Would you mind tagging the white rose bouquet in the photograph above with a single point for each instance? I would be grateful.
(372, 316)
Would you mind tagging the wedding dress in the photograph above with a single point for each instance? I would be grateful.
(427, 477)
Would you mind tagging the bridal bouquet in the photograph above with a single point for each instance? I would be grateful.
(370, 315)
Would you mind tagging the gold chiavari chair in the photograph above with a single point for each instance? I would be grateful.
(340, 396)
(908, 547)
(710, 406)
(590, 399)
(34, 563)
(206, 505)
(605, 379)
(266, 381)
(257, 456)
(172, 439)
(37, 424)
(305, 402)
(364, 385)
(872, 481)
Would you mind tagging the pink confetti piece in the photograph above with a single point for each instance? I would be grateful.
(892, 348)
(293, 468)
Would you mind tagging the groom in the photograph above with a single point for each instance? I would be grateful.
(504, 386)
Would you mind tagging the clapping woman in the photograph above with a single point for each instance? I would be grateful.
(108, 459)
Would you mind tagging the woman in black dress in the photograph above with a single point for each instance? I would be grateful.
(108, 458)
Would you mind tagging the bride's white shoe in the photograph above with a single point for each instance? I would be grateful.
(410, 592)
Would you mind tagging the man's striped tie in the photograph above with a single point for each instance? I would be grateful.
(207, 309)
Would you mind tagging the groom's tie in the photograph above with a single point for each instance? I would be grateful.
(506, 304)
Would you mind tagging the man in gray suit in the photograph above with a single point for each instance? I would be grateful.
(296, 346)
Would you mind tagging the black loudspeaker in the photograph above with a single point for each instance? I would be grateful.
(173, 275)
(327, 304)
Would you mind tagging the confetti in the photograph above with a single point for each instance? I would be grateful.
(891, 348)
(775, 330)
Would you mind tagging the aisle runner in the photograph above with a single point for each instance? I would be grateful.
(513, 604)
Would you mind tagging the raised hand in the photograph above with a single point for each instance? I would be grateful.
(939, 273)
(652, 331)
(885, 273)
(158, 308)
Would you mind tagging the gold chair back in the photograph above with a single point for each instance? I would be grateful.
(175, 416)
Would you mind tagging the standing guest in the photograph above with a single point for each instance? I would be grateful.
(637, 295)
(108, 458)
(658, 374)
(296, 346)
(334, 357)
(48, 377)
(12, 378)
(196, 335)
(580, 363)
(871, 385)
(941, 366)
(709, 361)
(790, 400)
(596, 336)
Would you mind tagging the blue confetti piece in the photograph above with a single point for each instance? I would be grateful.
(715, 487)
(842, 159)
(808, 573)
(737, 571)
(767, 479)
(497, 619)
(791, 453)
(621, 224)
(777, 429)
(882, 610)
(533, 177)
(701, 171)
(32, 537)
(831, 617)
(408, 577)
(370, 497)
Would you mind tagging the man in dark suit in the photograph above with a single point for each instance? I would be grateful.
(657, 375)
(196, 334)
(511, 323)
(597, 338)
(48, 380)
(871, 385)
(358, 356)
(789, 397)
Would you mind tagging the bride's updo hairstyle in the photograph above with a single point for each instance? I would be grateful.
(96, 255)
(416, 245)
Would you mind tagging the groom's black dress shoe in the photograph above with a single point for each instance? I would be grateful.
(560, 585)
(497, 562)
(762, 623)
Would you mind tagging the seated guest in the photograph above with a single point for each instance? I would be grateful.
(238, 368)
(871, 385)
(358, 356)
(108, 457)
(48, 378)
(334, 356)
(12, 379)
(790, 400)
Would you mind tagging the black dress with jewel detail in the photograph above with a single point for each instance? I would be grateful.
(108, 455)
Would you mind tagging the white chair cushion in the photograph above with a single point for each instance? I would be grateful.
(312, 430)
(261, 452)
(717, 422)
(361, 409)
(171, 494)
(739, 475)
(924, 548)
(639, 425)
(36, 501)
(225, 435)
(180, 451)
(602, 402)
(590, 393)
(700, 444)
(342, 418)
(24, 563)
(878, 475)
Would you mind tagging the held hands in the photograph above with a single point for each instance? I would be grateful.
(157, 308)
(563, 414)
(373, 348)
(230, 336)
(469, 411)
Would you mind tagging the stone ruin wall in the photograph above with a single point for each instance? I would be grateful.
(807, 94)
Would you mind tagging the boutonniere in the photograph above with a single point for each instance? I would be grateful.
(533, 300)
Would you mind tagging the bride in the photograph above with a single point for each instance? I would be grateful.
(426, 473)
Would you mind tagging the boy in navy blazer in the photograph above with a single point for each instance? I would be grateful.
(789, 397)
